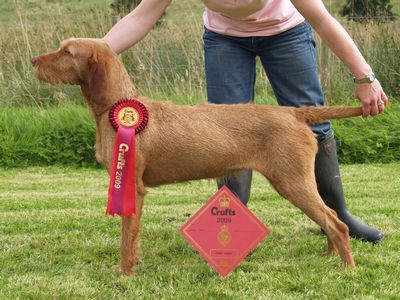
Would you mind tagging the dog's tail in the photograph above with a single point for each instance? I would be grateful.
(312, 115)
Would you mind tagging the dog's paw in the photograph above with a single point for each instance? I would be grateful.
(332, 249)
(126, 271)
(331, 252)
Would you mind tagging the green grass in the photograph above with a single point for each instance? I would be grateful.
(57, 243)
(39, 10)
(169, 61)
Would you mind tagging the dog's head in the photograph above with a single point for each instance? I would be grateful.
(77, 61)
(91, 64)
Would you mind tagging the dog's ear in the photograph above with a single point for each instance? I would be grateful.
(97, 81)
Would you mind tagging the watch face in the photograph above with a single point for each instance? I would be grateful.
(371, 77)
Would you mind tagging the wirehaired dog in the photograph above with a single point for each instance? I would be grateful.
(183, 143)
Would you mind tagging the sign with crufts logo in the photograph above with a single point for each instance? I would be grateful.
(224, 231)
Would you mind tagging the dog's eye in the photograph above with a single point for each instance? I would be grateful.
(66, 51)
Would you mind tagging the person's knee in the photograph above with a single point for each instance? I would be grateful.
(323, 131)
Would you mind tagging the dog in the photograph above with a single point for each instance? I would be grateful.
(182, 143)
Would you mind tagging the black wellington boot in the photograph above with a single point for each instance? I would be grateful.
(330, 188)
(239, 183)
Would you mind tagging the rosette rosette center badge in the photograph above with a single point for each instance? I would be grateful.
(128, 117)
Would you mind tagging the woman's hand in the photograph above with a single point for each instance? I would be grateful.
(372, 97)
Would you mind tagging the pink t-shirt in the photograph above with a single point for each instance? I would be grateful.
(275, 16)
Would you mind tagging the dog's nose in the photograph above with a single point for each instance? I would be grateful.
(34, 61)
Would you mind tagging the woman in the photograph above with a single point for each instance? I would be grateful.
(279, 32)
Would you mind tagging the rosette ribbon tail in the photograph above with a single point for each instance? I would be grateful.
(122, 189)
(128, 117)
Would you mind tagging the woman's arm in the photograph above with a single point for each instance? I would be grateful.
(339, 41)
(136, 25)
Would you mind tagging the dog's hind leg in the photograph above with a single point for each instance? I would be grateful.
(297, 183)
(309, 201)
(331, 246)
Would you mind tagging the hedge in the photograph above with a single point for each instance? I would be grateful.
(65, 135)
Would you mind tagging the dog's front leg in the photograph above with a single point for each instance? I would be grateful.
(130, 238)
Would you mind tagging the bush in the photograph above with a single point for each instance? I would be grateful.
(123, 6)
(60, 135)
(363, 10)
(370, 140)
(65, 135)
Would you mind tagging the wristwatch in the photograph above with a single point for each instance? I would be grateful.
(368, 79)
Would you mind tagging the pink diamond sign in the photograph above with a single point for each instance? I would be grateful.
(224, 231)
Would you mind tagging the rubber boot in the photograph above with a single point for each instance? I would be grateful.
(239, 183)
(330, 188)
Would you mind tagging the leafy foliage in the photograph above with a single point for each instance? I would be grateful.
(363, 10)
(65, 135)
(124, 6)
(30, 137)
(370, 140)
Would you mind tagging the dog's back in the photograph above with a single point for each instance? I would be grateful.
(208, 140)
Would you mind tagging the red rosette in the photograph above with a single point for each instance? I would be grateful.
(134, 113)
(128, 117)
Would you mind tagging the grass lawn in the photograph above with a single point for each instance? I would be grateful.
(57, 243)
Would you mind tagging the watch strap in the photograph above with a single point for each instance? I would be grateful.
(368, 79)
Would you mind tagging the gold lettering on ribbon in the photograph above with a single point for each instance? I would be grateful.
(120, 164)
(121, 156)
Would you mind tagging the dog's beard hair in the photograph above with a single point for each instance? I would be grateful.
(49, 76)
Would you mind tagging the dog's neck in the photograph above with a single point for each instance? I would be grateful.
(116, 86)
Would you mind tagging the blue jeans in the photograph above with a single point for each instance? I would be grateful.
(289, 61)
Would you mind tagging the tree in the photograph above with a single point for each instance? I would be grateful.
(363, 10)
(122, 7)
